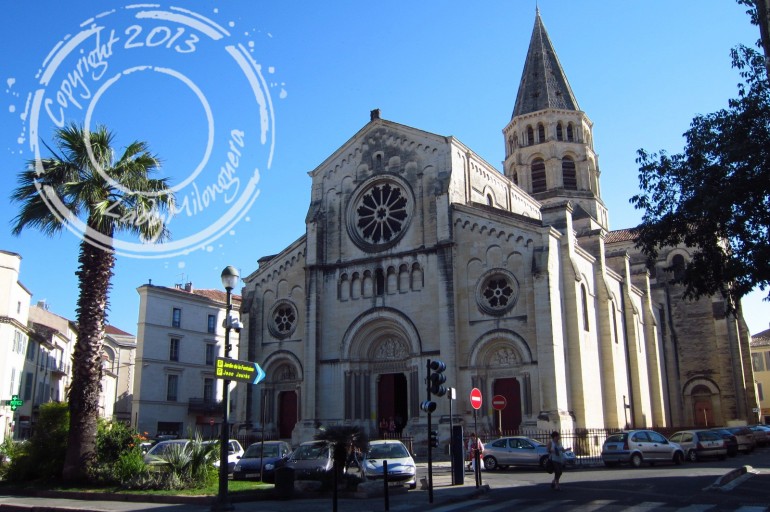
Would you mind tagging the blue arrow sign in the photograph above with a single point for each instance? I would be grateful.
(260, 374)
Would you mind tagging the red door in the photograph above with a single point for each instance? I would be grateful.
(392, 402)
(703, 413)
(511, 390)
(287, 413)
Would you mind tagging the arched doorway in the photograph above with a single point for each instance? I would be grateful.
(287, 413)
(703, 408)
(511, 390)
(392, 401)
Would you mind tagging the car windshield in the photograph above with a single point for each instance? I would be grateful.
(255, 451)
(165, 447)
(385, 451)
(310, 452)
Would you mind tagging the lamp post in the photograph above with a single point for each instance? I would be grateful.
(229, 281)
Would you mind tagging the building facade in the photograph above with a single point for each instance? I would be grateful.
(180, 335)
(14, 336)
(760, 361)
(416, 248)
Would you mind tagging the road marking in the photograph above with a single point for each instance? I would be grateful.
(595, 505)
(647, 505)
(700, 507)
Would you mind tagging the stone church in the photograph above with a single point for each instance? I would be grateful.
(416, 248)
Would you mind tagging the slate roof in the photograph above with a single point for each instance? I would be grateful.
(543, 82)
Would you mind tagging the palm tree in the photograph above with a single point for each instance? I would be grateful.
(344, 439)
(128, 201)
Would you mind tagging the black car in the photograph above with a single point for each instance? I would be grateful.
(731, 442)
(262, 461)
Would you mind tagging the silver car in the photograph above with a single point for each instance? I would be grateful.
(698, 444)
(401, 467)
(519, 451)
(638, 446)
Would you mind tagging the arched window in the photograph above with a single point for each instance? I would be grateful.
(559, 131)
(677, 266)
(541, 132)
(530, 136)
(569, 176)
(614, 321)
(490, 201)
(570, 133)
(515, 178)
(538, 176)
(379, 282)
(584, 300)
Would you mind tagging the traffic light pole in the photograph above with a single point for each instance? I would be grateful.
(430, 448)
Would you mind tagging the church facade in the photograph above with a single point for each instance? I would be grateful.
(416, 248)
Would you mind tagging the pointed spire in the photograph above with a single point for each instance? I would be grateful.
(543, 82)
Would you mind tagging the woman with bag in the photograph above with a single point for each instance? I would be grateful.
(556, 455)
(475, 447)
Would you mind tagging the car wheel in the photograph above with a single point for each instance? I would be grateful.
(692, 456)
(678, 458)
(636, 460)
(413, 486)
(490, 463)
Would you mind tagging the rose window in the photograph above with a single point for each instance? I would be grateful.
(379, 214)
(283, 319)
(497, 292)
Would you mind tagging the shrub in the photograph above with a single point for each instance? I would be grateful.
(42, 457)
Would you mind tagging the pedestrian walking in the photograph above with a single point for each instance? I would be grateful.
(475, 447)
(556, 453)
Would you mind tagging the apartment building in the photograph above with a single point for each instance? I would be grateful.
(760, 361)
(180, 335)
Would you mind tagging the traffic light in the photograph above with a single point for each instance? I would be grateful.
(437, 378)
(428, 406)
(434, 438)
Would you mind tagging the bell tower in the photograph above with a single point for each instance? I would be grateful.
(549, 140)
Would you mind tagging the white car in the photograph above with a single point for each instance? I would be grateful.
(154, 455)
(401, 467)
(234, 452)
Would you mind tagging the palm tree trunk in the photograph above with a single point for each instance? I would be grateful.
(94, 276)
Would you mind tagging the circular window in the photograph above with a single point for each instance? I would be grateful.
(283, 319)
(379, 213)
(497, 292)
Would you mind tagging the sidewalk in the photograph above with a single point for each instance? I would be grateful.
(443, 492)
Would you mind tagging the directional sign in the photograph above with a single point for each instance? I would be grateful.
(499, 402)
(241, 371)
(15, 402)
(476, 398)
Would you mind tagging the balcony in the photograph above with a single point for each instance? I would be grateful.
(60, 369)
(204, 406)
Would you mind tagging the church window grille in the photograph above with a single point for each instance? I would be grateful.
(584, 300)
(559, 131)
(283, 319)
(569, 175)
(541, 132)
(530, 136)
(570, 133)
(379, 213)
(538, 176)
(497, 292)
(678, 266)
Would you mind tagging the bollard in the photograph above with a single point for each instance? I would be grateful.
(385, 479)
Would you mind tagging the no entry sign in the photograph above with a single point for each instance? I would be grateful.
(499, 402)
(476, 398)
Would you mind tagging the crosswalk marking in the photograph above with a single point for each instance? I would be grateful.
(697, 508)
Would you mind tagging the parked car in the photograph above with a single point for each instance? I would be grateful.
(636, 447)
(698, 444)
(745, 436)
(401, 466)
(731, 442)
(761, 434)
(273, 455)
(234, 452)
(519, 451)
(311, 460)
(154, 455)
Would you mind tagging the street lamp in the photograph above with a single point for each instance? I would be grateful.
(229, 281)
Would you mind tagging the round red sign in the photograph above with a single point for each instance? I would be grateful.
(499, 402)
(476, 398)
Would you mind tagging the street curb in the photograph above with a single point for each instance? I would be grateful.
(732, 478)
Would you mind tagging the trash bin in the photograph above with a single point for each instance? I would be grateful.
(284, 482)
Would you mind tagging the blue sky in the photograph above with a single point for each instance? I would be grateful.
(640, 70)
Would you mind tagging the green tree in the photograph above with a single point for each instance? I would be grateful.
(128, 201)
(715, 196)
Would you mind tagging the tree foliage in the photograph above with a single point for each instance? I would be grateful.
(715, 196)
